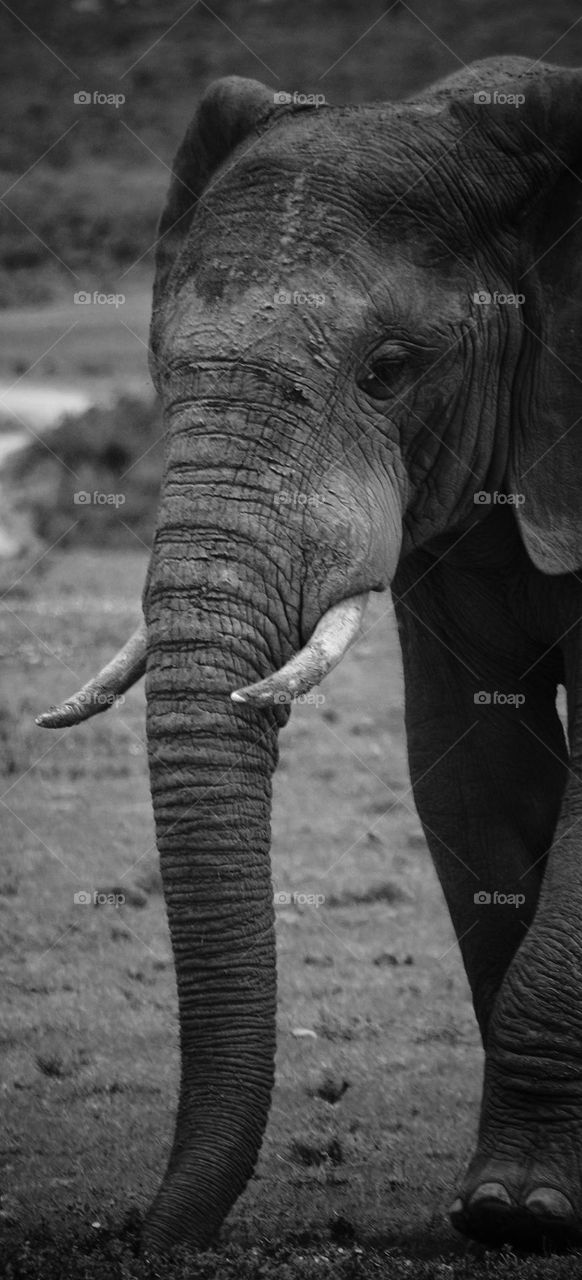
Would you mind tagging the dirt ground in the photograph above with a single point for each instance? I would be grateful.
(379, 1061)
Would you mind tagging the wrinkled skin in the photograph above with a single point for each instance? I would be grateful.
(386, 408)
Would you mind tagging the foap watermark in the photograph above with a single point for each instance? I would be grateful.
(297, 899)
(483, 98)
(495, 698)
(88, 98)
(311, 699)
(84, 298)
(88, 898)
(296, 498)
(101, 699)
(295, 298)
(484, 899)
(282, 99)
(483, 499)
(483, 298)
(84, 499)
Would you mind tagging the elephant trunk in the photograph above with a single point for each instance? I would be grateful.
(211, 785)
(211, 765)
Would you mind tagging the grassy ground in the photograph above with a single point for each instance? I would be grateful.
(374, 1111)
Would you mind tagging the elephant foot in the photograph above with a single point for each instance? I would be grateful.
(507, 1204)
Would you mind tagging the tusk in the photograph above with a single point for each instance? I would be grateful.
(101, 691)
(333, 635)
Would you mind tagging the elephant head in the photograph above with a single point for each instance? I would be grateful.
(341, 373)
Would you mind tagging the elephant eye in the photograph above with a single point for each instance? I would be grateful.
(377, 380)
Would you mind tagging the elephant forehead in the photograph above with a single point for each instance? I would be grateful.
(317, 218)
(350, 180)
(272, 211)
(291, 225)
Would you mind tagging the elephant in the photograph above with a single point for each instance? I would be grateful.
(377, 308)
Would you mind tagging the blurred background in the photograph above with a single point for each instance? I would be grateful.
(97, 94)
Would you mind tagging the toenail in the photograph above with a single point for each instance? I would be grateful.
(493, 1192)
(549, 1203)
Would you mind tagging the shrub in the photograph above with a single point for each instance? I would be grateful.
(114, 452)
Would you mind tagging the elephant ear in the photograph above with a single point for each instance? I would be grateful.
(525, 155)
(231, 110)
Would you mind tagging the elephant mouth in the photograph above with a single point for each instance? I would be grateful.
(334, 634)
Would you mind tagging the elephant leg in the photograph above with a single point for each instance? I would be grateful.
(524, 1184)
(495, 793)
(487, 776)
